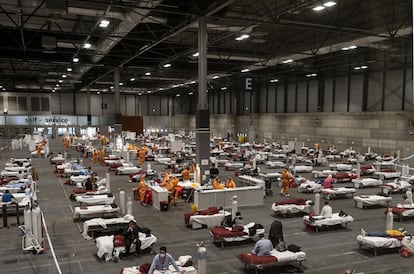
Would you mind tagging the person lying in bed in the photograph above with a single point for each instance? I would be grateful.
(394, 233)
(263, 247)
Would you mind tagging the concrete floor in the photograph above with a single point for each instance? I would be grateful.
(329, 251)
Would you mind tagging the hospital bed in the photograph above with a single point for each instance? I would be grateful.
(98, 199)
(323, 173)
(395, 187)
(364, 201)
(127, 169)
(341, 177)
(275, 164)
(322, 222)
(366, 182)
(402, 211)
(13, 187)
(300, 169)
(341, 167)
(213, 220)
(309, 187)
(337, 192)
(208, 211)
(99, 226)
(107, 250)
(87, 212)
(387, 175)
(9, 173)
(375, 243)
(79, 179)
(233, 165)
(235, 234)
(275, 259)
(57, 160)
(182, 260)
(292, 206)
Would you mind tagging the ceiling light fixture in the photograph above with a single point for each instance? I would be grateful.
(75, 59)
(192, 82)
(329, 4)
(274, 80)
(132, 79)
(64, 75)
(245, 70)
(178, 95)
(287, 61)
(191, 93)
(69, 69)
(216, 77)
(312, 75)
(350, 47)
(223, 88)
(61, 81)
(167, 65)
(319, 8)
(87, 46)
(196, 54)
(104, 23)
(147, 73)
(121, 84)
(242, 37)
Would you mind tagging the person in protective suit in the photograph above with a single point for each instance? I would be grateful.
(285, 178)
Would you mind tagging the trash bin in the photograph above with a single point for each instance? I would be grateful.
(164, 205)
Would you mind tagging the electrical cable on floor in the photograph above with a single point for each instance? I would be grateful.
(50, 245)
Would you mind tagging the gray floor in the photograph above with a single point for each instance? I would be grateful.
(330, 251)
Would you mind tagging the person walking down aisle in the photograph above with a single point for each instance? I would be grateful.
(161, 263)
(285, 178)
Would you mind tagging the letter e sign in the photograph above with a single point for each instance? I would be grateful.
(248, 85)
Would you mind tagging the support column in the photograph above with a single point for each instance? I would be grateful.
(117, 97)
(171, 127)
(202, 112)
(88, 105)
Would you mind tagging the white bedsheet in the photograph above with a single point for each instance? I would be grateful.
(309, 186)
(298, 169)
(209, 220)
(81, 212)
(288, 256)
(104, 222)
(335, 220)
(337, 191)
(387, 175)
(95, 199)
(105, 245)
(134, 269)
(378, 242)
(291, 208)
(366, 182)
(371, 200)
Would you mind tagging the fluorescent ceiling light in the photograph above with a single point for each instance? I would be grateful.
(178, 95)
(147, 73)
(167, 65)
(57, 85)
(132, 79)
(64, 75)
(329, 4)
(274, 80)
(352, 47)
(364, 67)
(87, 45)
(75, 59)
(53, 90)
(191, 93)
(319, 8)
(196, 54)
(121, 84)
(223, 88)
(98, 93)
(357, 68)
(1, 86)
(104, 23)
(60, 81)
(287, 61)
(192, 82)
(216, 77)
(69, 69)
(245, 70)
(242, 37)
(311, 75)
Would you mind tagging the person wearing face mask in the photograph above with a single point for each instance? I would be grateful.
(162, 261)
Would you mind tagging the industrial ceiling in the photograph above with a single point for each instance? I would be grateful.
(76, 45)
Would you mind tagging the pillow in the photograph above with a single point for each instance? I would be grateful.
(255, 260)
(182, 260)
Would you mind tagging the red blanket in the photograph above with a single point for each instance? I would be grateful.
(249, 258)
(221, 232)
(294, 201)
(209, 211)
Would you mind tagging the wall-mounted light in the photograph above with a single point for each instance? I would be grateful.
(5, 111)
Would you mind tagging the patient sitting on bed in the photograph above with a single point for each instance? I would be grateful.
(263, 247)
